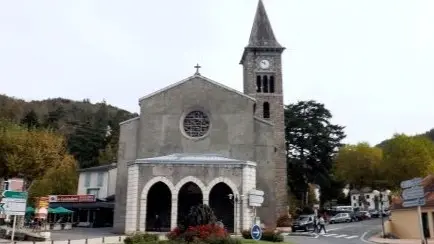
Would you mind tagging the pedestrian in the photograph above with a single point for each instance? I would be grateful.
(315, 224)
(322, 224)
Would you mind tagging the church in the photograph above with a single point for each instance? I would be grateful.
(200, 142)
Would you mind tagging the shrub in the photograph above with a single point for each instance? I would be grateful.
(141, 238)
(267, 235)
(200, 232)
(199, 215)
(284, 221)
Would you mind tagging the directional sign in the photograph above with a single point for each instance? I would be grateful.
(256, 198)
(414, 192)
(15, 194)
(410, 183)
(414, 203)
(14, 206)
(256, 233)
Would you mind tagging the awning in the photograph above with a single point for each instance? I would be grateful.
(82, 205)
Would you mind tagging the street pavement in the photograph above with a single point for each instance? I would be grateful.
(345, 233)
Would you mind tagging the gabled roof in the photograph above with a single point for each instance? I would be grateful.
(193, 77)
(105, 167)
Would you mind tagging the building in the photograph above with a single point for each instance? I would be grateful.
(99, 181)
(404, 222)
(367, 200)
(198, 141)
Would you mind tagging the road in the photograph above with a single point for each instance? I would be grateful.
(345, 233)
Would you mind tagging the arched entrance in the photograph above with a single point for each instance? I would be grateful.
(158, 208)
(222, 205)
(189, 195)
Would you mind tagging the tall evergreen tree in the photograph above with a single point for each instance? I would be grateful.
(30, 120)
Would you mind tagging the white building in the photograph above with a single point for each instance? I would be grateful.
(99, 181)
(370, 202)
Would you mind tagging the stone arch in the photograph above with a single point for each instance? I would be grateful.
(222, 180)
(144, 195)
(193, 179)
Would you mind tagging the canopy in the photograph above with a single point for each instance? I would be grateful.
(62, 210)
(30, 210)
(52, 210)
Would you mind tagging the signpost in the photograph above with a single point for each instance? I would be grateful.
(413, 195)
(256, 198)
(256, 232)
(14, 203)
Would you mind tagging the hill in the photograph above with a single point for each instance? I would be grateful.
(91, 130)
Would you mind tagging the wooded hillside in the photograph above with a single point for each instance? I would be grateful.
(91, 130)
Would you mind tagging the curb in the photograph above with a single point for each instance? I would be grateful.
(299, 234)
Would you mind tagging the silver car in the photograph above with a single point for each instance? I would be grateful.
(340, 218)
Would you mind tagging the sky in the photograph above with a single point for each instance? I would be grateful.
(370, 62)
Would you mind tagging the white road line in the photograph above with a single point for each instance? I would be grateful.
(351, 237)
(334, 229)
(362, 238)
(329, 235)
(340, 236)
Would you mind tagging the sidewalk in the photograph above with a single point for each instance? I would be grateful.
(377, 239)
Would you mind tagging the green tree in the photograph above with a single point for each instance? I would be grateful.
(30, 120)
(311, 142)
(406, 157)
(358, 165)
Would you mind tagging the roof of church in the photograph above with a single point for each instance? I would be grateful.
(190, 78)
(262, 34)
(193, 158)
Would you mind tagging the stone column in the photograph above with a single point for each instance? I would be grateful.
(132, 199)
(142, 221)
(174, 212)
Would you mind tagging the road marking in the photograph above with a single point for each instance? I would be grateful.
(351, 237)
(334, 229)
(362, 238)
(340, 236)
(330, 235)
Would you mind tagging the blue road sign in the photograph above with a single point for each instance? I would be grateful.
(256, 233)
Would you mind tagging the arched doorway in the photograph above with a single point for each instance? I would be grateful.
(158, 208)
(189, 195)
(222, 205)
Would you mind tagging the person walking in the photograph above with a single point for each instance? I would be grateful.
(322, 224)
(315, 224)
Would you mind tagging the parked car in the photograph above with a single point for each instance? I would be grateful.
(364, 215)
(340, 218)
(374, 213)
(303, 222)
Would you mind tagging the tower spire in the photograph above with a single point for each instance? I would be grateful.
(262, 34)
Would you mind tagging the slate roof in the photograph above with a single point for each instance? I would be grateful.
(193, 158)
(262, 34)
(99, 168)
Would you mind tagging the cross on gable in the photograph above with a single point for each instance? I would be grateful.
(197, 67)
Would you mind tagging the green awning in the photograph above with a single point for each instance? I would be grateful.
(62, 210)
(30, 210)
(51, 211)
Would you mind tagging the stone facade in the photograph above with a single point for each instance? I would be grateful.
(250, 146)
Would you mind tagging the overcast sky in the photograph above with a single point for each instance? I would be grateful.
(371, 62)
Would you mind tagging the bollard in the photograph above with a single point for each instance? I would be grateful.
(69, 241)
(34, 242)
(85, 241)
(103, 239)
(52, 241)
(120, 238)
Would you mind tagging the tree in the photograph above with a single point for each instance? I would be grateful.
(30, 120)
(358, 165)
(406, 157)
(311, 142)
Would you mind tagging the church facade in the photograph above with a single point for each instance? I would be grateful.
(198, 141)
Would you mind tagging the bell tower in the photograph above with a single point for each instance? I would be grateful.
(262, 73)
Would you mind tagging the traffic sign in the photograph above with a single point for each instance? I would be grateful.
(414, 192)
(256, 198)
(14, 206)
(15, 194)
(256, 232)
(410, 183)
(414, 203)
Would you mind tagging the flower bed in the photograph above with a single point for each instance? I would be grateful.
(267, 235)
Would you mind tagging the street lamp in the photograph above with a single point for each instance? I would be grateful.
(380, 199)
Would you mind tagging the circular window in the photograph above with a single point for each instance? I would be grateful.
(196, 124)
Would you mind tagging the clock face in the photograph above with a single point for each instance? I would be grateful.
(264, 64)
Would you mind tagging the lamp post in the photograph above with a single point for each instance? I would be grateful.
(380, 196)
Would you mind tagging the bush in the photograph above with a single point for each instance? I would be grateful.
(141, 238)
(200, 232)
(198, 215)
(267, 235)
(284, 221)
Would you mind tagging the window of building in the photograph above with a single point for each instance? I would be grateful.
(271, 84)
(196, 124)
(100, 179)
(266, 110)
(87, 179)
(92, 191)
(368, 196)
(354, 197)
(265, 83)
(258, 83)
